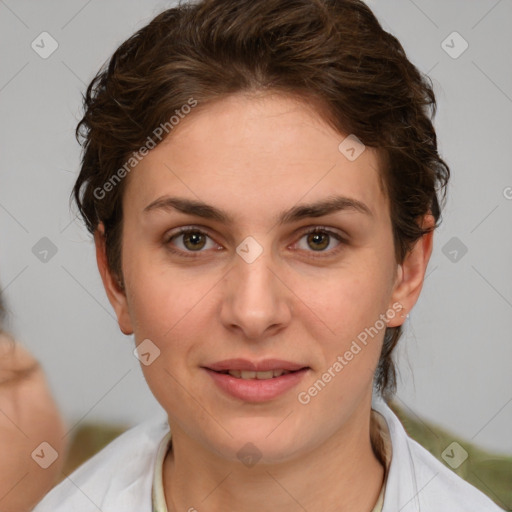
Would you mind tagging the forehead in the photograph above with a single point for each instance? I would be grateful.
(253, 154)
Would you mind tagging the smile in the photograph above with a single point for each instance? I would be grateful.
(256, 380)
(247, 374)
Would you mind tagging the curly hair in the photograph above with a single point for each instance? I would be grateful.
(332, 52)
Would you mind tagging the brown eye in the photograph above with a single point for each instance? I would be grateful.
(319, 239)
(193, 240)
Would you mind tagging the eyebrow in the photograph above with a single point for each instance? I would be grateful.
(326, 206)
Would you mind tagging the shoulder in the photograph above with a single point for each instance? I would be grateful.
(418, 482)
(119, 477)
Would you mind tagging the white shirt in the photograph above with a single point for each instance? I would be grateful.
(120, 477)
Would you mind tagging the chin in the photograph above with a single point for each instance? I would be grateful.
(256, 440)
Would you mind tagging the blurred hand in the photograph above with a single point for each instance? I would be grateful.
(28, 417)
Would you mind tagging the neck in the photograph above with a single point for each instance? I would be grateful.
(342, 474)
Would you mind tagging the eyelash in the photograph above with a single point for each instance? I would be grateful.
(191, 229)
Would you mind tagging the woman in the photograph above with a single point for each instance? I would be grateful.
(262, 182)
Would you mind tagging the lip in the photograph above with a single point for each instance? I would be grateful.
(256, 390)
(255, 366)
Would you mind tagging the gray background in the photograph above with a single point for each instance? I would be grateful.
(455, 357)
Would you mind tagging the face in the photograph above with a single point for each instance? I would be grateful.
(251, 280)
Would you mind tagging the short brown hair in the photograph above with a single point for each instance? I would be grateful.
(334, 52)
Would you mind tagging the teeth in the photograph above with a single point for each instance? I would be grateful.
(246, 374)
(264, 375)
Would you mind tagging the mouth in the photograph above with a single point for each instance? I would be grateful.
(261, 370)
(250, 375)
(256, 381)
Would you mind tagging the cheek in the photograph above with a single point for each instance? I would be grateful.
(163, 299)
(351, 300)
(353, 307)
(155, 307)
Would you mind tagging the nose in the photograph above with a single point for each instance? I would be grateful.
(256, 300)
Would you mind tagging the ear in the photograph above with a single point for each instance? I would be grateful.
(411, 274)
(116, 295)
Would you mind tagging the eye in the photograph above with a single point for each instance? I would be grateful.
(193, 240)
(319, 238)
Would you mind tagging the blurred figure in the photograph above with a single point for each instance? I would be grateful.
(28, 418)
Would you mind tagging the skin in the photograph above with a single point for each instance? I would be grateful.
(29, 417)
(254, 156)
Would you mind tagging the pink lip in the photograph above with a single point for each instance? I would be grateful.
(260, 366)
(255, 390)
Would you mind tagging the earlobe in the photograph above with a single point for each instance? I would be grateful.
(116, 295)
(411, 275)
